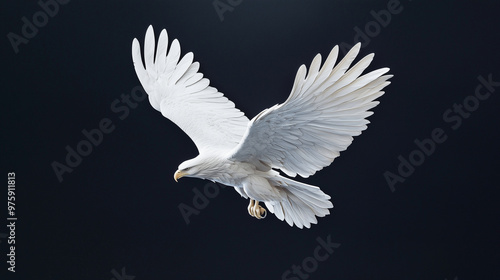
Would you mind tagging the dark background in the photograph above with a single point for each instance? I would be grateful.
(118, 209)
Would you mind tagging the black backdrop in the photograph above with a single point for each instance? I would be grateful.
(116, 215)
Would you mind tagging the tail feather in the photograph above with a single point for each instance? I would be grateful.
(301, 202)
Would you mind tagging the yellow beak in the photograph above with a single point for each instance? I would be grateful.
(179, 174)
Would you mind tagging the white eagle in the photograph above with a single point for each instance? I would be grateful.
(327, 106)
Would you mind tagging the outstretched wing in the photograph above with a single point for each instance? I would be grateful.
(179, 91)
(324, 111)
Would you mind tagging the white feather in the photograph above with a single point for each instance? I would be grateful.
(327, 106)
(181, 94)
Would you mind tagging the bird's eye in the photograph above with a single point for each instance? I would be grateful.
(187, 168)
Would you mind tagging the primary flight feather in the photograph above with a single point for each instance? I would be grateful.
(327, 106)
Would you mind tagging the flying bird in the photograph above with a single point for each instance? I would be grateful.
(328, 105)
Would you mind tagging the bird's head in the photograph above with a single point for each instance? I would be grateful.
(197, 167)
(189, 168)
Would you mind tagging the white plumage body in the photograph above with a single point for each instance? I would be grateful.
(325, 109)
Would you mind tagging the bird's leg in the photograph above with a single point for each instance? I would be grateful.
(256, 210)
(261, 211)
(250, 207)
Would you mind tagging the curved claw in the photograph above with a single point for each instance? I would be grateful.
(262, 212)
(255, 210)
